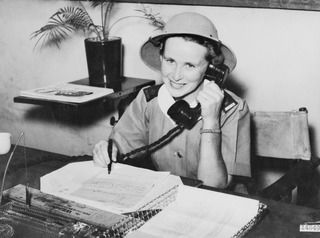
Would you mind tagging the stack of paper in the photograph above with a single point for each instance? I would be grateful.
(126, 189)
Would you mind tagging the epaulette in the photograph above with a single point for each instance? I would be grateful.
(151, 92)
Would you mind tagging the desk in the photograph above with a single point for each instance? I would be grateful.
(282, 220)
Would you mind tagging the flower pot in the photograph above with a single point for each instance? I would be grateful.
(104, 59)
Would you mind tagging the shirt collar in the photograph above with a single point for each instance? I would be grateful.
(165, 101)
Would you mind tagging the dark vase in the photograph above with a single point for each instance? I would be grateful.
(104, 59)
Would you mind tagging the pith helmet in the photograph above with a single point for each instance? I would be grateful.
(187, 23)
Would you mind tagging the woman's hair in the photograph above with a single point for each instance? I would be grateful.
(214, 54)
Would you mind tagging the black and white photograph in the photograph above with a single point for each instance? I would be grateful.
(159, 118)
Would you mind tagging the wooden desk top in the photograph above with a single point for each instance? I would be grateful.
(281, 220)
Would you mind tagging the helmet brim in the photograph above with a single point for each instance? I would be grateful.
(150, 51)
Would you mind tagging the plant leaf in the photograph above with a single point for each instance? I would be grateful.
(61, 24)
(154, 18)
(75, 17)
(97, 3)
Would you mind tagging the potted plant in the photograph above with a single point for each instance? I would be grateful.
(104, 52)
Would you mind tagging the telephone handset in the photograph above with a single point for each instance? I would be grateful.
(186, 116)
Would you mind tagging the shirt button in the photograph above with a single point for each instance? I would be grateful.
(178, 154)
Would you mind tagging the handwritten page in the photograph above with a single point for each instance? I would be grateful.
(200, 213)
(124, 190)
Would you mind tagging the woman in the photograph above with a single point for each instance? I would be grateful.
(218, 145)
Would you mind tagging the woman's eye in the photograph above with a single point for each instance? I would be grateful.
(169, 60)
(190, 66)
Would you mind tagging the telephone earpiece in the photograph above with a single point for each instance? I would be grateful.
(217, 74)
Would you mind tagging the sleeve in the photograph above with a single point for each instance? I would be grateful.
(131, 131)
(243, 151)
(236, 144)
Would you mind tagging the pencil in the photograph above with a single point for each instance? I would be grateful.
(110, 155)
(109, 167)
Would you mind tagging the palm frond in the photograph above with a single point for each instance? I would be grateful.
(154, 18)
(75, 16)
(61, 24)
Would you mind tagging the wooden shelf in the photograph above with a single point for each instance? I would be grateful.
(129, 87)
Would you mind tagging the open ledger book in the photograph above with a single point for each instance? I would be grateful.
(165, 206)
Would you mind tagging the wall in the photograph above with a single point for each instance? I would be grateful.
(278, 54)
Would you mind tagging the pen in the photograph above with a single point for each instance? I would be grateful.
(28, 195)
(110, 155)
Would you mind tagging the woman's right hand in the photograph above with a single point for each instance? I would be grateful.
(101, 156)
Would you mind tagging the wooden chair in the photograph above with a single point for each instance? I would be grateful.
(281, 156)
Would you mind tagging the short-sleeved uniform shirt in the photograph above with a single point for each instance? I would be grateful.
(145, 121)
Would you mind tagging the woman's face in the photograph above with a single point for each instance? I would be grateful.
(183, 65)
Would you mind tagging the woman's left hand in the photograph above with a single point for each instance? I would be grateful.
(210, 98)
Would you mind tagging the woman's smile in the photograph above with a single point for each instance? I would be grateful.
(176, 85)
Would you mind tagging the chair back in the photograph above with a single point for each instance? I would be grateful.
(281, 134)
(283, 167)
